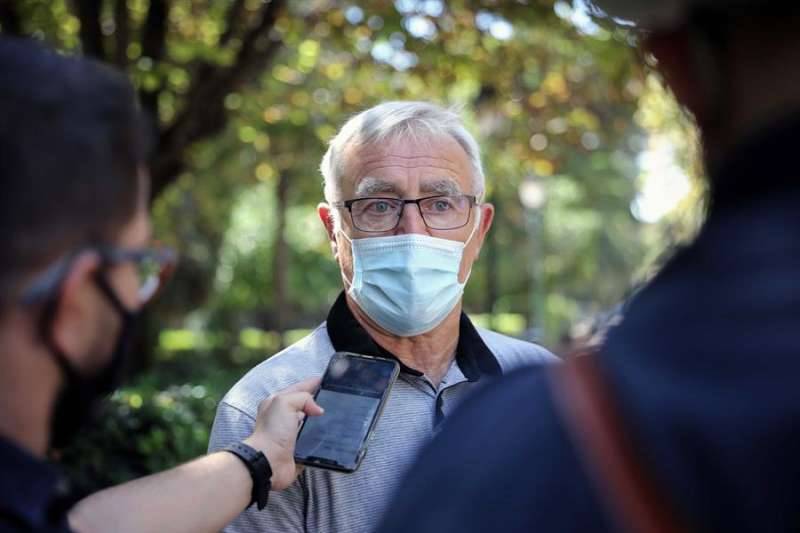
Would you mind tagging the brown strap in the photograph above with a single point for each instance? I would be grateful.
(598, 434)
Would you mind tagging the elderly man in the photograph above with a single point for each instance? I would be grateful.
(406, 221)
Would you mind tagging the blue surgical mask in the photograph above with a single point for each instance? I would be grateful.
(407, 284)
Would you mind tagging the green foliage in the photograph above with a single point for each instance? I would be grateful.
(141, 429)
(164, 417)
(549, 95)
(560, 109)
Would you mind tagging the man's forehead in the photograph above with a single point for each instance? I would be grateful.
(408, 158)
(444, 152)
(370, 185)
(438, 163)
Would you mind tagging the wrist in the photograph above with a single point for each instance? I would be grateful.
(272, 452)
(259, 468)
(240, 476)
(264, 446)
(258, 443)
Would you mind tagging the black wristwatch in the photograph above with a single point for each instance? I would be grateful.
(260, 471)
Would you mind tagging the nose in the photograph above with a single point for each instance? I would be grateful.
(411, 221)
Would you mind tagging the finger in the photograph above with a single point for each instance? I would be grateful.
(312, 408)
(264, 405)
(309, 385)
(302, 402)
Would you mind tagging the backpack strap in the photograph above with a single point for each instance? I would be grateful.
(598, 434)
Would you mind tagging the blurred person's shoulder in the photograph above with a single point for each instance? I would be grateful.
(505, 461)
(306, 358)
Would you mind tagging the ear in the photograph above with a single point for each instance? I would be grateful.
(487, 217)
(673, 51)
(325, 213)
(74, 318)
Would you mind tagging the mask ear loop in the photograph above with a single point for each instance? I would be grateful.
(45, 327)
(475, 227)
(472, 234)
(347, 282)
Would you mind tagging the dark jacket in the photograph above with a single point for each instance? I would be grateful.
(33, 495)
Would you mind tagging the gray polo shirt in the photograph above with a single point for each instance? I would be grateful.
(326, 501)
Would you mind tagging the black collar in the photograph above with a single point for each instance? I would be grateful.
(30, 489)
(473, 357)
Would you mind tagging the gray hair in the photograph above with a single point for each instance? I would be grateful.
(393, 120)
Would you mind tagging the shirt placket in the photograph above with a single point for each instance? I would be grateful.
(451, 380)
(454, 379)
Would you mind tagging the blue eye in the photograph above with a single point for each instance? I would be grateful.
(376, 206)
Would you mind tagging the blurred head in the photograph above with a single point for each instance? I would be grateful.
(72, 160)
(404, 151)
(732, 63)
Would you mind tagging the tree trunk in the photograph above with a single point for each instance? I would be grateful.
(9, 19)
(280, 256)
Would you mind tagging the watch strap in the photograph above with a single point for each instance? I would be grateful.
(260, 471)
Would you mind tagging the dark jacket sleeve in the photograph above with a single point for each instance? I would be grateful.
(502, 462)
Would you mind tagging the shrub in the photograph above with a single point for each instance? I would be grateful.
(140, 430)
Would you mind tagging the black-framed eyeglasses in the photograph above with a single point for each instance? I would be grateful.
(440, 212)
(154, 266)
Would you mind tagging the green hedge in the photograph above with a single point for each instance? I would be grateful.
(140, 430)
(161, 419)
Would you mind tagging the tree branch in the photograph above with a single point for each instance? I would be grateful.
(88, 13)
(154, 39)
(122, 33)
(204, 113)
(154, 36)
(233, 15)
(10, 19)
(257, 48)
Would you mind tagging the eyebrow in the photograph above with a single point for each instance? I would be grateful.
(370, 186)
(440, 186)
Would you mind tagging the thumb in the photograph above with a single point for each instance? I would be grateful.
(307, 385)
(302, 402)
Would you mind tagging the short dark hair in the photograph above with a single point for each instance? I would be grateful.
(72, 144)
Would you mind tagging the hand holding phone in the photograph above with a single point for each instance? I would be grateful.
(277, 424)
(353, 392)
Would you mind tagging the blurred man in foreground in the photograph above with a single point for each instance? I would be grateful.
(76, 266)
(687, 418)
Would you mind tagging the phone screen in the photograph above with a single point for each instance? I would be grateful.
(352, 392)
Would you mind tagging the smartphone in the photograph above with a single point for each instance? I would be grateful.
(353, 392)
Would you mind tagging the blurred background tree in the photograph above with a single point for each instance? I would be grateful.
(590, 164)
